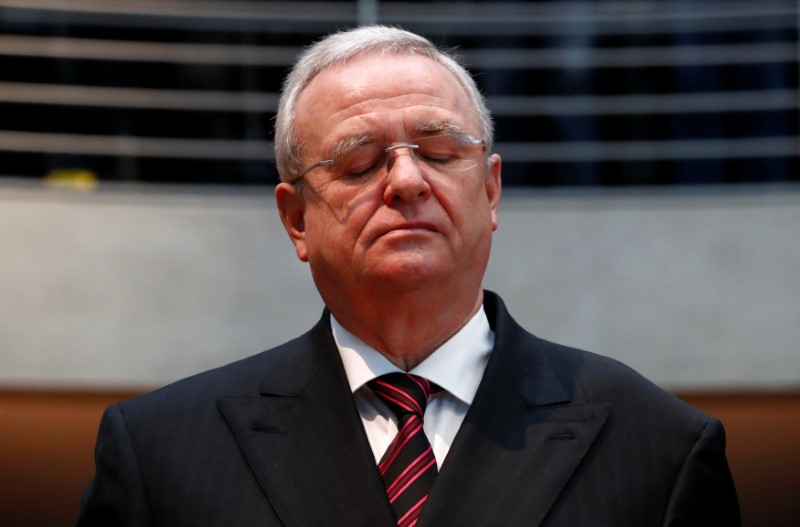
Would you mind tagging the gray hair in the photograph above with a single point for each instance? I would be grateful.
(338, 48)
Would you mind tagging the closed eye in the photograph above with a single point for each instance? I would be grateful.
(359, 163)
(438, 153)
(436, 157)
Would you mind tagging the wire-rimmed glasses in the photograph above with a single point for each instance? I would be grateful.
(444, 153)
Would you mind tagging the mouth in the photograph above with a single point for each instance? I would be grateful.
(404, 230)
(412, 226)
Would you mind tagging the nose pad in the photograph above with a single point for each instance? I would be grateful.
(394, 153)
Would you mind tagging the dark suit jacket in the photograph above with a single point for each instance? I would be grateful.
(555, 436)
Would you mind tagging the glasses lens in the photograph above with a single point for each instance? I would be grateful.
(359, 161)
(448, 153)
(443, 153)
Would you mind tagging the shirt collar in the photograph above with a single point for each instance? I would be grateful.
(457, 366)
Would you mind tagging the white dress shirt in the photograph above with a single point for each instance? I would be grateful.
(457, 367)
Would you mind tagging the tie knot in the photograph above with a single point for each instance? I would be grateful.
(403, 393)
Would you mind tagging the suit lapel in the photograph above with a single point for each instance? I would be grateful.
(519, 445)
(520, 442)
(305, 443)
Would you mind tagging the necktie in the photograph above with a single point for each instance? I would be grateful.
(408, 467)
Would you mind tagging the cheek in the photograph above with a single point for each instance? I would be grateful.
(342, 206)
(329, 232)
(466, 205)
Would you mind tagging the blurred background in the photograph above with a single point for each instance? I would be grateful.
(651, 209)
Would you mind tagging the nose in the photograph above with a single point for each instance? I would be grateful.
(405, 181)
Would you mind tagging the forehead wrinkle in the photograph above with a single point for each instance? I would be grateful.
(400, 101)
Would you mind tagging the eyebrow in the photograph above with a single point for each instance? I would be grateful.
(439, 127)
(346, 144)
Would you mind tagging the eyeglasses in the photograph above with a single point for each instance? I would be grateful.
(445, 154)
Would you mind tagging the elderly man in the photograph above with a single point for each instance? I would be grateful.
(416, 399)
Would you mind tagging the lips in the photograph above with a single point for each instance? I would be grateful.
(412, 226)
(398, 229)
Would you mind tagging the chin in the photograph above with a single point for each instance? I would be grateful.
(413, 275)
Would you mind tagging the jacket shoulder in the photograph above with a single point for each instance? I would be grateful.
(600, 377)
(242, 378)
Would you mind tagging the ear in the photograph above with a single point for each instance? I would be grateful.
(494, 186)
(292, 209)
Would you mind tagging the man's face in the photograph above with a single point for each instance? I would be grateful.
(406, 227)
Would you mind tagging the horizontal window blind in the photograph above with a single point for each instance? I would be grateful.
(584, 93)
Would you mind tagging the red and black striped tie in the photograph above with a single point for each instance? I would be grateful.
(408, 467)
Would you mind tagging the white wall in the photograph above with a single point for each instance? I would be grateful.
(133, 288)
